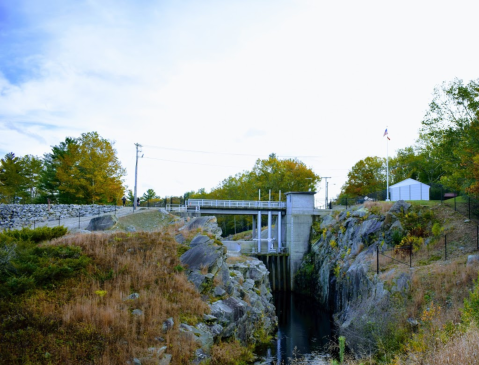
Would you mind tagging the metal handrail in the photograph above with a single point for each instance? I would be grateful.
(180, 208)
(211, 203)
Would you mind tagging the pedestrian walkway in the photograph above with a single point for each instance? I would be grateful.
(81, 223)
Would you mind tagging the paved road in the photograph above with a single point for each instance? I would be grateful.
(74, 224)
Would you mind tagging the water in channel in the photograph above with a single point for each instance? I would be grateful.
(301, 325)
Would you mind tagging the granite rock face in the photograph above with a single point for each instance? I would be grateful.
(239, 293)
(207, 224)
(341, 267)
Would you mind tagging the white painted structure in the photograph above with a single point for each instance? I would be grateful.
(409, 189)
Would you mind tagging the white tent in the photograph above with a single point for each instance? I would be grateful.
(409, 189)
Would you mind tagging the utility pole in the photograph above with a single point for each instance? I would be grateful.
(326, 196)
(136, 173)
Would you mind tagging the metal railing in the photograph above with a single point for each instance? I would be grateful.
(235, 204)
(181, 208)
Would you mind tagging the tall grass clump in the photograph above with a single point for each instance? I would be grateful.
(90, 317)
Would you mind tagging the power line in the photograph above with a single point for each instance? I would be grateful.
(190, 163)
(222, 153)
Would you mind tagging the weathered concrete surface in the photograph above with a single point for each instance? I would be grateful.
(298, 221)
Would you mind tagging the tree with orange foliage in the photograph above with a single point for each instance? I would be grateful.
(89, 171)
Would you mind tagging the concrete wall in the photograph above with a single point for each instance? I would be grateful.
(298, 222)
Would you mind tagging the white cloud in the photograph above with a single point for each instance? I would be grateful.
(299, 78)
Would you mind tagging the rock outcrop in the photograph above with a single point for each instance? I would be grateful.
(340, 270)
(102, 223)
(238, 293)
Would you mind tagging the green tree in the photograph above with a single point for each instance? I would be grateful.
(366, 176)
(130, 196)
(31, 170)
(49, 184)
(450, 133)
(83, 170)
(149, 195)
(267, 174)
(11, 179)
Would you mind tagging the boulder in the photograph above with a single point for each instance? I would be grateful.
(206, 224)
(102, 223)
(400, 207)
(203, 256)
(199, 240)
(472, 260)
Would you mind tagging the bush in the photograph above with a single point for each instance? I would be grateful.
(437, 229)
(471, 306)
(231, 353)
(27, 266)
(36, 235)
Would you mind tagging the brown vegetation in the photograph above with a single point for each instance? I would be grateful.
(90, 318)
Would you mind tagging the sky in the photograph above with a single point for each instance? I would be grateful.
(208, 87)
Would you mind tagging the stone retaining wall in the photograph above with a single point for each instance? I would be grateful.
(21, 215)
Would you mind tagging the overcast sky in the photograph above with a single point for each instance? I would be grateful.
(234, 79)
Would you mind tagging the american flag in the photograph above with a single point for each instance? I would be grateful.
(386, 134)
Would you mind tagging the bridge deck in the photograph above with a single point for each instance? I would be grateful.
(236, 204)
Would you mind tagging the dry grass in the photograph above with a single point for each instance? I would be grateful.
(96, 303)
(440, 284)
(382, 207)
(462, 349)
(237, 259)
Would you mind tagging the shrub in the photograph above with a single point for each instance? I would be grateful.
(28, 266)
(337, 270)
(333, 244)
(471, 306)
(231, 353)
(33, 235)
(397, 237)
(415, 242)
(437, 229)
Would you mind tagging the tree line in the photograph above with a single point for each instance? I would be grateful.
(273, 176)
(446, 152)
(83, 170)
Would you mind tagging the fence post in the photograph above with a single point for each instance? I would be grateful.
(79, 219)
(35, 221)
(377, 259)
(469, 201)
(455, 203)
(445, 246)
(59, 220)
(410, 256)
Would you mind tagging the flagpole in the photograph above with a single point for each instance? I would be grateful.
(387, 167)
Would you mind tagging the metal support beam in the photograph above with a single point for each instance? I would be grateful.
(270, 223)
(278, 226)
(259, 231)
